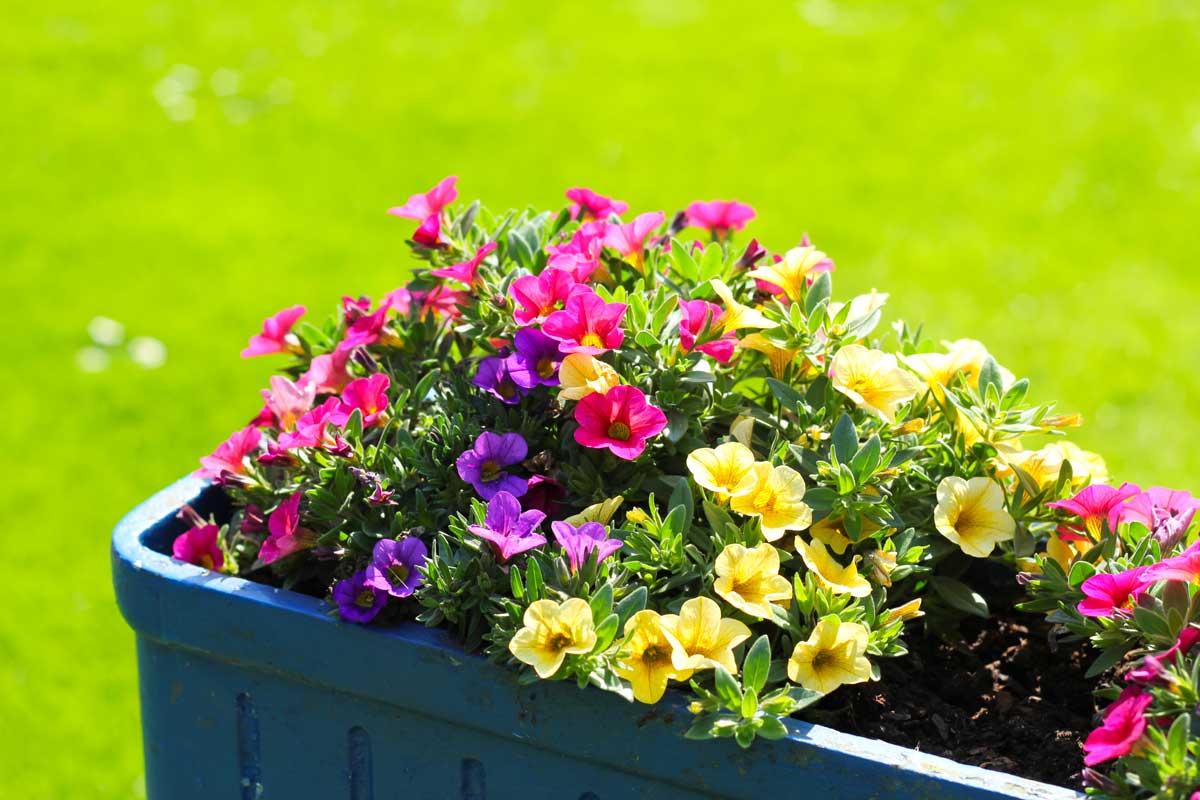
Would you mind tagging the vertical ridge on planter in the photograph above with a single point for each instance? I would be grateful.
(249, 758)
(474, 781)
(361, 781)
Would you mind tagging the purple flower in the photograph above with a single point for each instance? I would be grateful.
(580, 542)
(395, 564)
(536, 361)
(507, 529)
(483, 465)
(493, 377)
(1167, 513)
(357, 600)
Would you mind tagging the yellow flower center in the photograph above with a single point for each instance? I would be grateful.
(654, 654)
(558, 641)
(490, 471)
(506, 389)
(206, 561)
(764, 501)
(398, 573)
(591, 340)
(823, 660)
(545, 368)
(365, 599)
(619, 431)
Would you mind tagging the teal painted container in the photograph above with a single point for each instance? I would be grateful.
(253, 692)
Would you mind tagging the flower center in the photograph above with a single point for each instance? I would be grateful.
(398, 573)
(365, 599)
(823, 660)
(619, 431)
(654, 654)
(545, 368)
(764, 501)
(558, 641)
(591, 340)
(490, 471)
(206, 561)
(506, 388)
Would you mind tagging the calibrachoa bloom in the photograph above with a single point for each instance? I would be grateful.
(727, 469)
(1183, 567)
(276, 336)
(778, 358)
(199, 546)
(629, 239)
(705, 638)
(539, 296)
(1108, 593)
(287, 537)
(287, 401)
(587, 324)
(327, 373)
(422, 206)
(829, 573)
(835, 654)
(648, 657)
(580, 375)
(536, 360)
(395, 566)
(579, 541)
(483, 465)
(467, 273)
(1093, 505)
(368, 396)
(719, 217)
(698, 315)
(551, 632)
(621, 420)
(736, 316)
(777, 499)
(971, 514)
(358, 599)
(580, 257)
(873, 380)
(493, 376)
(312, 429)
(794, 271)
(230, 456)
(749, 580)
(1167, 513)
(592, 205)
(1124, 724)
(507, 529)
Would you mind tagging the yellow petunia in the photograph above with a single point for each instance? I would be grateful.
(551, 632)
(777, 499)
(1043, 465)
(910, 610)
(600, 512)
(831, 532)
(704, 636)
(834, 655)
(792, 271)
(749, 580)
(971, 514)
(873, 380)
(1066, 552)
(737, 316)
(581, 375)
(742, 429)
(648, 656)
(830, 574)
(726, 469)
(778, 358)
(862, 306)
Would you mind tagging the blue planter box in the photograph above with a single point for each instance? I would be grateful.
(249, 691)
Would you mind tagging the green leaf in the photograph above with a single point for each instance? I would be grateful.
(606, 631)
(757, 665)
(681, 495)
(1108, 658)
(712, 263)
(718, 518)
(989, 376)
(845, 438)
(772, 728)
(1177, 741)
(632, 603)
(534, 581)
(727, 688)
(959, 596)
(867, 459)
(1151, 623)
(819, 292)
(602, 602)
(1080, 572)
(788, 397)
(682, 261)
(518, 588)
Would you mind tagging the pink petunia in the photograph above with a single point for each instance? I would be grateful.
(587, 324)
(369, 397)
(311, 430)
(592, 205)
(286, 535)
(1124, 723)
(1183, 567)
(327, 373)
(429, 233)
(1093, 505)
(581, 255)
(701, 315)
(199, 546)
(1106, 594)
(466, 273)
(230, 455)
(288, 401)
(431, 203)
(538, 296)
(719, 217)
(630, 239)
(620, 420)
(1167, 513)
(276, 336)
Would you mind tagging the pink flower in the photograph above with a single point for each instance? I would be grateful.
(353, 308)
(1124, 724)
(312, 430)
(1093, 504)
(429, 204)
(429, 233)
(587, 325)
(719, 217)
(327, 373)
(592, 205)
(443, 302)
(1167, 513)
(369, 397)
(466, 273)
(230, 455)
(1152, 669)
(287, 401)
(199, 546)
(286, 535)
(701, 315)
(621, 420)
(276, 336)
(630, 239)
(1109, 593)
(1188, 638)
(580, 256)
(538, 296)
(1183, 567)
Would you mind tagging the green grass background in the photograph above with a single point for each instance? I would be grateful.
(1020, 173)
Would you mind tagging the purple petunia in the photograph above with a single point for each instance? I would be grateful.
(483, 465)
(493, 376)
(580, 542)
(357, 600)
(536, 360)
(394, 568)
(507, 529)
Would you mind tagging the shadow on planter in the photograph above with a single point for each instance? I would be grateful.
(249, 691)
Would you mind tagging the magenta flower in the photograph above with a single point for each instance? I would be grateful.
(1152, 670)
(312, 429)
(587, 325)
(544, 494)
(199, 546)
(538, 296)
(536, 360)
(592, 205)
(493, 377)
(621, 420)
(1109, 593)
(369, 397)
(1183, 567)
(1124, 723)
(230, 456)
(429, 204)
(286, 536)
(719, 217)
(1167, 513)
(630, 239)
(429, 233)
(395, 566)
(467, 273)
(358, 600)
(1093, 505)
(327, 373)
(483, 465)
(699, 316)
(276, 336)
(507, 529)
(367, 329)
(353, 308)
(287, 401)
(581, 255)
(578, 543)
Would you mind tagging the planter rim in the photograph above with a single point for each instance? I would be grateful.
(258, 626)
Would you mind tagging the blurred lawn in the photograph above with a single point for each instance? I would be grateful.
(1022, 175)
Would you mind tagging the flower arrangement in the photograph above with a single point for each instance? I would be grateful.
(601, 450)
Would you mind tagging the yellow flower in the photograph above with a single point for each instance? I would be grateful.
(742, 429)
(648, 656)
(1043, 465)
(778, 358)
(910, 610)
(738, 316)
(864, 305)
(830, 574)
(880, 563)
(832, 533)
(791, 274)
(581, 375)
(971, 514)
(705, 637)
(967, 356)
(835, 654)
(749, 580)
(873, 380)
(727, 469)
(551, 632)
(597, 512)
(777, 499)
(1064, 552)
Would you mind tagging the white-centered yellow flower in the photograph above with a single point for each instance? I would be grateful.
(873, 380)
(834, 655)
(553, 631)
(777, 499)
(971, 514)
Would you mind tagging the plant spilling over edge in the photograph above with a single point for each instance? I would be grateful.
(601, 451)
